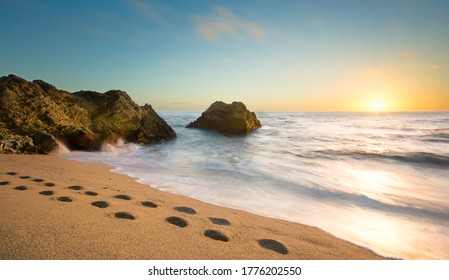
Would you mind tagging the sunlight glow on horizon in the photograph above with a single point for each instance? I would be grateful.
(378, 106)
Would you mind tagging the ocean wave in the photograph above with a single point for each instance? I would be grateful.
(442, 132)
(436, 136)
(417, 158)
(440, 213)
(436, 140)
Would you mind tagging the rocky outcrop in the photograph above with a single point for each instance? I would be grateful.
(17, 144)
(35, 115)
(228, 118)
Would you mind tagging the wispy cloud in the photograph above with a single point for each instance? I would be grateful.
(406, 54)
(150, 11)
(170, 63)
(224, 23)
(434, 67)
(100, 32)
(316, 23)
(297, 74)
(379, 73)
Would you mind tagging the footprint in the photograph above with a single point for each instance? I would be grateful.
(90, 193)
(24, 177)
(220, 221)
(273, 245)
(47, 193)
(21, 188)
(64, 199)
(49, 184)
(216, 235)
(4, 183)
(186, 210)
(100, 204)
(123, 196)
(177, 221)
(124, 215)
(38, 180)
(76, 188)
(148, 204)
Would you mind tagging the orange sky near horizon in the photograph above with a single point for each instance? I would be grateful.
(392, 89)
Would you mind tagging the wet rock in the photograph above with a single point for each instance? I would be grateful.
(17, 144)
(232, 118)
(34, 115)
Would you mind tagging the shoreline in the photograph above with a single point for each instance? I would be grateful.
(42, 221)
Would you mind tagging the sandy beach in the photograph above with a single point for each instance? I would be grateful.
(54, 208)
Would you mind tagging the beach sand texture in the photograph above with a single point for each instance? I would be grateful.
(52, 208)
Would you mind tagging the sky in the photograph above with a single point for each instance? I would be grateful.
(272, 55)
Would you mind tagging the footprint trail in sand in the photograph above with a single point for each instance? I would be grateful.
(214, 234)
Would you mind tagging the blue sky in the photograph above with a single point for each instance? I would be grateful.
(272, 55)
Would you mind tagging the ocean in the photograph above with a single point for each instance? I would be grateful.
(380, 180)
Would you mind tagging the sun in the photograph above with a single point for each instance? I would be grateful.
(377, 106)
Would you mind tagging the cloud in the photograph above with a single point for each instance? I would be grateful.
(316, 23)
(100, 32)
(434, 67)
(170, 63)
(296, 74)
(150, 11)
(406, 54)
(379, 73)
(224, 23)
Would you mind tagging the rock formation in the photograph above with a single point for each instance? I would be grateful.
(228, 118)
(35, 115)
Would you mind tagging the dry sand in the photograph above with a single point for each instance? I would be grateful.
(39, 220)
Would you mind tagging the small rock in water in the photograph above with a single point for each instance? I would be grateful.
(228, 118)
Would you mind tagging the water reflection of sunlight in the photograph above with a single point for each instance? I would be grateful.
(370, 181)
(375, 181)
(383, 186)
(378, 150)
(390, 233)
(380, 229)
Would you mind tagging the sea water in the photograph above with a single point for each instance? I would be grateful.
(380, 180)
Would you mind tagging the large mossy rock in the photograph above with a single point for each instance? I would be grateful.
(232, 118)
(35, 115)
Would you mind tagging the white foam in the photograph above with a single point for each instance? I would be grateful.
(61, 149)
(107, 147)
(120, 142)
(118, 147)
